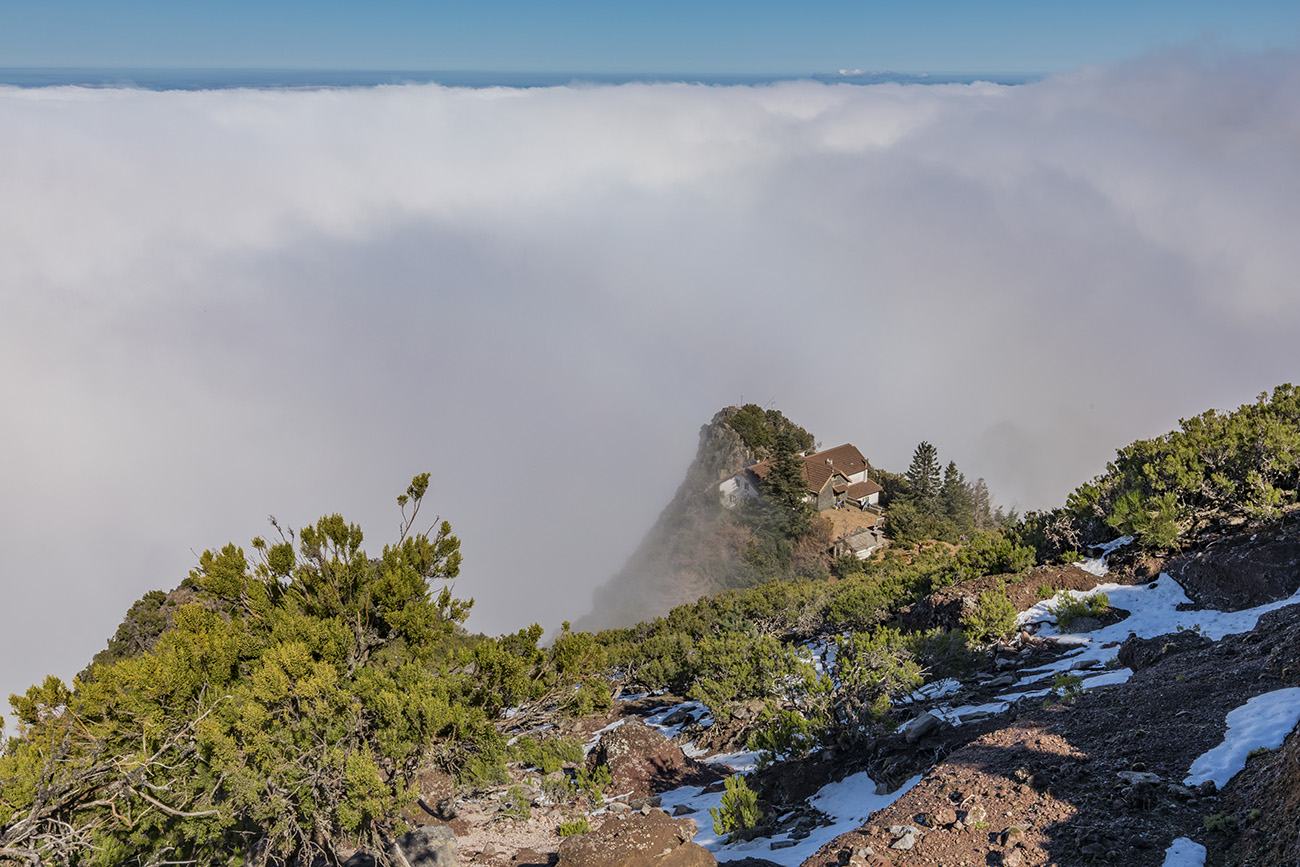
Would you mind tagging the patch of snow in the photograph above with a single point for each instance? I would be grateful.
(847, 803)
(1097, 565)
(1013, 697)
(1264, 721)
(636, 697)
(697, 710)
(1109, 678)
(1185, 853)
(956, 715)
(936, 689)
(1153, 610)
(740, 762)
(595, 736)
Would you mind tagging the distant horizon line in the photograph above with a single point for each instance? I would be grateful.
(233, 77)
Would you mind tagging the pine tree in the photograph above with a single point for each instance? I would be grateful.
(923, 477)
(786, 486)
(983, 506)
(957, 500)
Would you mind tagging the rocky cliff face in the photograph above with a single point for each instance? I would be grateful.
(692, 549)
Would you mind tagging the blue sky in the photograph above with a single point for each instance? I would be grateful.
(756, 36)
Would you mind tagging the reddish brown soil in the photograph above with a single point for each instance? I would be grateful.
(1054, 772)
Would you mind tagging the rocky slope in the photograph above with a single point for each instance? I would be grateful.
(1089, 777)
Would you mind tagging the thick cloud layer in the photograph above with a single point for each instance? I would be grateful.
(222, 305)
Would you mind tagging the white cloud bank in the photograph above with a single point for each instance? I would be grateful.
(219, 305)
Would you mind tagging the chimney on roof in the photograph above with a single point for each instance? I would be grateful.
(829, 463)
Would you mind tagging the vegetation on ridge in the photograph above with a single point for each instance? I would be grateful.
(286, 711)
(281, 704)
(1217, 468)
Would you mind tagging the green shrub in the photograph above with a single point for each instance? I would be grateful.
(1223, 823)
(546, 753)
(871, 667)
(943, 652)
(782, 736)
(1046, 591)
(593, 783)
(1066, 687)
(739, 811)
(1068, 608)
(559, 790)
(994, 617)
(514, 804)
(570, 827)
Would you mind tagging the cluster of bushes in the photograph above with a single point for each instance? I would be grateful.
(747, 645)
(1217, 467)
(758, 429)
(286, 710)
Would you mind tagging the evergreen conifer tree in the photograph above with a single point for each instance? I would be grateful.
(923, 477)
(957, 499)
(983, 506)
(786, 486)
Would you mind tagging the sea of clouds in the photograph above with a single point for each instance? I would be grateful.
(220, 305)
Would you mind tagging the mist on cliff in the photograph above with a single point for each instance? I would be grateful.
(223, 305)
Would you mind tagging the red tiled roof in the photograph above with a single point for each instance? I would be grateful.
(862, 490)
(818, 468)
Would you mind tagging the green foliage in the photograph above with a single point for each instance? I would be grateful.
(1066, 687)
(287, 708)
(1046, 591)
(872, 667)
(1217, 466)
(735, 667)
(514, 805)
(782, 512)
(943, 652)
(145, 621)
(992, 554)
(559, 789)
(758, 429)
(547, 753)
(1220, 823)
(571, 827)
(1152, 521)
(927, 504)
(739, 811)
(593, 782)
(993, 618)
(1068, 608)
(783, 735)
(923, 475)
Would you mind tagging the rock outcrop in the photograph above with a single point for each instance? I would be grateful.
(650, 840)
(426, 846)
(1139, 653)
(642, 761)
(690, 551)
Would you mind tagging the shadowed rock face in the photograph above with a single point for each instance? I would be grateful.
(1139, 653)
(427, 846)
(1242, 571)
(652, 840)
